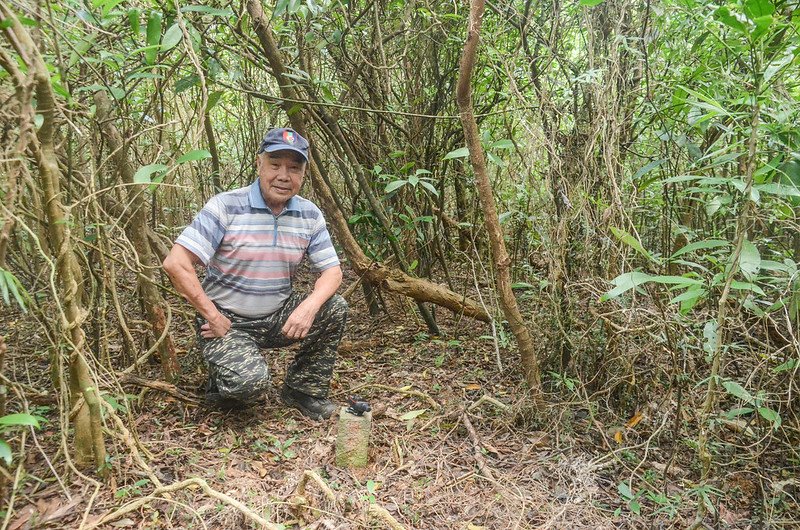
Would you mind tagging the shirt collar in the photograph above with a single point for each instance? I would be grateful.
(257, 200)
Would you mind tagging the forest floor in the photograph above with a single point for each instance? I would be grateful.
(549, 466)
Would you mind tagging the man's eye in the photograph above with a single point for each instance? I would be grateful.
(275, 166)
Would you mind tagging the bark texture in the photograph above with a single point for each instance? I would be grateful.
(508, 302)
(84, 398)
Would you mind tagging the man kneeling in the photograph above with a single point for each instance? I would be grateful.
(251, 241)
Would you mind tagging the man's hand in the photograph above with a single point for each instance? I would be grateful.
(299, 322)
(218, 326)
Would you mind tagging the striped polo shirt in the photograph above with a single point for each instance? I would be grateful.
(250, 254)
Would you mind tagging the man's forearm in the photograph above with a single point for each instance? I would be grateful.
(187, 284)
(326, 286)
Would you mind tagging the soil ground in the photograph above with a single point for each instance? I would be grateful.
(525, 466)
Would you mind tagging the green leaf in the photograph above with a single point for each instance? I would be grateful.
(691, 294)
(701, 245)
(736, 390)
(775, 66)
(171, 38)
(206, 10)
(395, 185)
(213, 99)
(197, 154)
(625, 490)
(735, 413)
(783, 367)
(625, 282)
(144, 174)
(724, 15)
(16, 289)
(647, 168)
(494, 159)
(430, 187)
(186, 83)
(457, 153)
(153, 37)
(758, 8)
(631, 241)
(5, 452)
(747, 286)
(591, 3)
(412, 414)
(133, 21)
(502, 144)
(771, 416)
(749, 260)
(19, 419)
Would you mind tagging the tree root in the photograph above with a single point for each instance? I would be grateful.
(208, 490)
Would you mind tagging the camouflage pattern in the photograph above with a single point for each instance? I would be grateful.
(238, 372)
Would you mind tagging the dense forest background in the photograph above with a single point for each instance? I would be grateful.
(571, 247)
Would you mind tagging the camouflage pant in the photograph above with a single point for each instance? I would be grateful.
(237, 369)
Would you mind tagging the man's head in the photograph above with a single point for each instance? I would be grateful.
(281, 164)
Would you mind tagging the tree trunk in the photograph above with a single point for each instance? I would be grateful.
(391, 279)
(508, 303)
(136, 229)
(84, 398)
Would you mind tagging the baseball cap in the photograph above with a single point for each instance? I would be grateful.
(284, 139)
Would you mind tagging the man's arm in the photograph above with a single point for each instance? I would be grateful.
(179, 265)
(301, 319)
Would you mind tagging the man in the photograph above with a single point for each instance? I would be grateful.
(251, 241)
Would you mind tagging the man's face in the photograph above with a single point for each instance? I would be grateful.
(280, 175)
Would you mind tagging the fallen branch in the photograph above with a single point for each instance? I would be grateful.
(488, 399)
(161, 386)
(483, 467)
(383, 513)
(301, 486)
(208, 490)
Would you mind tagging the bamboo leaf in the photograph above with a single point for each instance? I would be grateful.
(632, 242)
(144, 174)
(197, 154)
(701, 245)
(19, 420)
(749, 260)
(171, 38)
(153, 37)
(457, 153)
(736, 390)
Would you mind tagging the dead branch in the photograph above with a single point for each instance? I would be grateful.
(208, 490)
(161, 386)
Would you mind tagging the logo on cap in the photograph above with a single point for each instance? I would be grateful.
(289, 137)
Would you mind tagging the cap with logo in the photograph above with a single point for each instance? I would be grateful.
(284, 140)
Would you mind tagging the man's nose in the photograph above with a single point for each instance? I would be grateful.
(283, 173)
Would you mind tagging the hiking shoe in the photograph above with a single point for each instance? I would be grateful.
(309, 406)
(213, 400)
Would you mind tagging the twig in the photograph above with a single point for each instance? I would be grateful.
(308, 474)
(383, 513)
(483, 467)
(489, 399)
(208, 490)
(407, 391)
(161, 386)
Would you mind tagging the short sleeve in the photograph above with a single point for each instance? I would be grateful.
(203, 236)
(321, 253)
